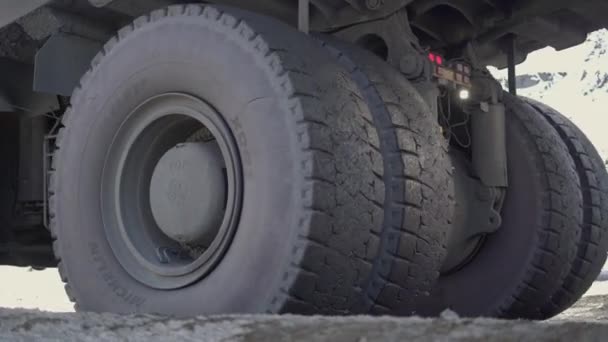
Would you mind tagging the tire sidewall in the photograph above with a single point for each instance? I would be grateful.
(235, 83)
(520, 266)
(481, 286)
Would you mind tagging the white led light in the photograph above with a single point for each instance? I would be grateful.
(464, 94)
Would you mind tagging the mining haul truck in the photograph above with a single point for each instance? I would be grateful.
(296, 156)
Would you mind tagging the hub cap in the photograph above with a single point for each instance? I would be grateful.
(188, 192)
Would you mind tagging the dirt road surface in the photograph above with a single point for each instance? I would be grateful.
(588, 321)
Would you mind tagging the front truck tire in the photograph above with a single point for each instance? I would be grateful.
(592, 246)
(517, 270)
(299, 154)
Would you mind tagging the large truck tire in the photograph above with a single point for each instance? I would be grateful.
(300, 220)
(419, 199)
(592, 246)
(519, 267)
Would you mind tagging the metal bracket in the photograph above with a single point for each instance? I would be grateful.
(62, 61)
(48, 146)
(511, 51)
(304, 16)
(488, 149)
(477, 213)
(404, 52)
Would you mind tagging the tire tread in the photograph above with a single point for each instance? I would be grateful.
(335, 265)
(593, 243)
(418, 176)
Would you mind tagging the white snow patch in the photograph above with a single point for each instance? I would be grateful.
(578, 87)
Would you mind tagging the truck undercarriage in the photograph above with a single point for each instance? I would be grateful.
(406, 177)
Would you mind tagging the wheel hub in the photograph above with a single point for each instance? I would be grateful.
(172, 191)
(188, 192)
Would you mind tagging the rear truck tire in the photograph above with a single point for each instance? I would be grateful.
(419, 200)
(592, 246)
(301, 221)
(518, 268)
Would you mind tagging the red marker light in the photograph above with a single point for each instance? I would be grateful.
(436, 59)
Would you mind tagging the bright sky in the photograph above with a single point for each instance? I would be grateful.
(578, 95)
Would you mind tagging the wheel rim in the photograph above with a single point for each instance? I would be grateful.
(166, 217)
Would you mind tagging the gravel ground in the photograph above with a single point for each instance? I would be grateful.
(585, 322)
(588, 309)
